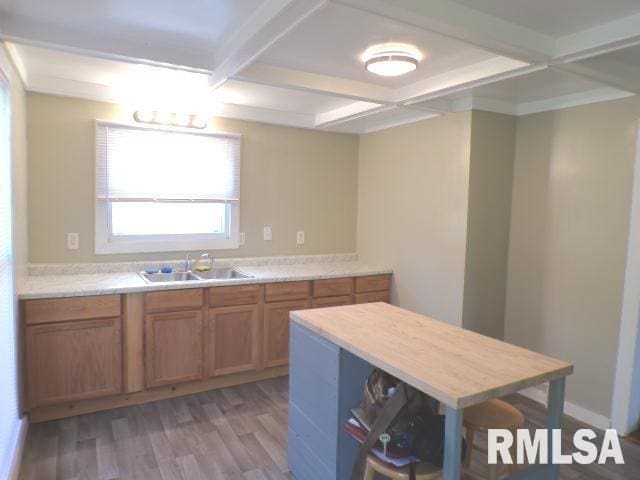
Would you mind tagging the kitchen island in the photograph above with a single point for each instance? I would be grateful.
(333, 350)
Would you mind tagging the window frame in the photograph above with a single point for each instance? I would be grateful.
(107, 243)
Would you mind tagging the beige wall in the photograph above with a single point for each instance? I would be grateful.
(19, 173)
(569, 230)
(412, 210)
(292, 179)
(490, 185)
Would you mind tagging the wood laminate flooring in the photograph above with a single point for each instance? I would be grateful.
(237, 433)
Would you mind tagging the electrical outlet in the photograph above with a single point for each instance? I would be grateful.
(243, 238)
(300, 237)
(73, 241)
(266, 233)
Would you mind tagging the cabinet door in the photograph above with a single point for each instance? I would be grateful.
(73, 361)
(232, 339)
(173, 347)
(276, 331)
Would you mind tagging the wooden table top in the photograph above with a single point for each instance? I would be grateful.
(456, 366)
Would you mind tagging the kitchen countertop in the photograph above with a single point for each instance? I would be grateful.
(465, 368)
(53, 285)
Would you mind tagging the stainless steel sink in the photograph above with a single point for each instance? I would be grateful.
(221, 274)
(168, 277)
(214, 274)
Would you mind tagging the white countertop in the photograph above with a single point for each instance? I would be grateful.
(82, 284)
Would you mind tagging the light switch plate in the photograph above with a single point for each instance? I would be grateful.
(266, 233)
(73, 241)
(300, 237)
(243, 238)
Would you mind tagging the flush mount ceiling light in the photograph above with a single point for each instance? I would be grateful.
(391, 59)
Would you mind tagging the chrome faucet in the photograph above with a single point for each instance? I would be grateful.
(187, 263)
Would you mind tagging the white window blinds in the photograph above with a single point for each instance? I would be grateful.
(142, 164)
(9, 413)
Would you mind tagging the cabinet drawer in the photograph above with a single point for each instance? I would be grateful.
(234, 295)
(49, 310)
(173, 300)
(333, 287)
(373, 283)
(373, 297)
(332, 301)
(275, 292)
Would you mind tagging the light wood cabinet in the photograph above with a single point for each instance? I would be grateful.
(373, 283)
(235, 295)
(73, 361)
(332, 301)
(383, 296)
(173, 300)
(276, 331)
(49, 310)
(281, 291)
(232, 342)
(332, 287)
(173, 347)
(91, 353)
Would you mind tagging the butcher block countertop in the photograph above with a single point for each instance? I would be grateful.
(456, 366)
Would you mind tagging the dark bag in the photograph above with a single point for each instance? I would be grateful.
(391, 406)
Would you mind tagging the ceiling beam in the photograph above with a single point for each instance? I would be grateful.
(348, 113)
(464, 78)
(599, 40)
(273, 76)
(270, 22)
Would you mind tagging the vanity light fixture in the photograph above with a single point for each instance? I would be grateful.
(167, 118)
(391, 59)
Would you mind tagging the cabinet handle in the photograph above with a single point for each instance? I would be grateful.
(77, 309)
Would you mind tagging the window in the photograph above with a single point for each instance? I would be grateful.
(9, 413)
(164, 190)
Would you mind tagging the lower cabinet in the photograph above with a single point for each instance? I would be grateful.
(73, 361)
(332, 301)
(276, 331)
(370, 297)
(233, 339)
(173, 347)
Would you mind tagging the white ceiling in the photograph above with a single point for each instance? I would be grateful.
(558, 18)
(297, 62)
(334, 39)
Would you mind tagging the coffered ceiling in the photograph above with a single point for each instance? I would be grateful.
(297, 62)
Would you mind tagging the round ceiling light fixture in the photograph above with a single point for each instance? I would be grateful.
(391, 59)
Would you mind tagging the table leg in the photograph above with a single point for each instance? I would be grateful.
(555, 408)
(452, 444)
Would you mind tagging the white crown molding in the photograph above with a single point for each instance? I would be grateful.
(348, 112)
(398, 123)
(16, 59)
(572, 100)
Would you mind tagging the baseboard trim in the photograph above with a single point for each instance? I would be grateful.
(16, 460)
(576, 411)
(81, 407)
